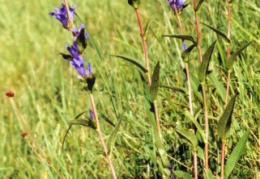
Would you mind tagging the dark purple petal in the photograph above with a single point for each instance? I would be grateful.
(91, 113)
(179, 3)
(62, 16)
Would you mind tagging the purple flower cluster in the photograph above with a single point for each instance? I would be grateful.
(179, 3)
(79, 44)
(62, 15)
(77, 61)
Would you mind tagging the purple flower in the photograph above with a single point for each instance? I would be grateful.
(179, 3)
(89, 70)
(62, 16)
(77, 61)
(91, 113)
(77, 31)
(184, 46)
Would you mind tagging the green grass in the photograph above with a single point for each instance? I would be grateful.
(49, 95)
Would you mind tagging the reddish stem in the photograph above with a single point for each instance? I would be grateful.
(101, 136)
(195, 164)
(222, 159)
(148, 69)
(144, 47)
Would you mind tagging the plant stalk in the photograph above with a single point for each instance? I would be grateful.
(68, 14)
(222, 159)
(101, 136)
(148, 70)
(203, 91)
(42, 154)
(189, 89)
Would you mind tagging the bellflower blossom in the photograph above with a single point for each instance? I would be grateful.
(179, 3)
(77, 31)
(62, 16)
(184, 46)
(77, 61)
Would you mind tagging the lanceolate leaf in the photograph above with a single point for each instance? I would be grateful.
(232, 58)
(205, 63)
(148, 25)
(183, 175)
(218, 32)
(224, 122)
(186, 53)
(235, 155)
(191, 137)
(155, 82)
(195, 85)
(199, 5)
(175, 88)
(218, 85)
(112, 137)
(133, 61)
(81, 122)
(183, 37)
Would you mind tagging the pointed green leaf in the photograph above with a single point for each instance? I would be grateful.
(208, 174)
(183, 37)
(218, 32)
(107, 119)
(191, 137)
(235, 155)
(205, 64)
(194, 120)
(218, 85)
(112, 137)
(84, 122)
(155, 82)
(133, 61)
(148, 26)
(182, 175)
(186, 53)
(224, 122)
(199, 5)
(175, 88)
(80, 122)
(195, 85)
(232, 58)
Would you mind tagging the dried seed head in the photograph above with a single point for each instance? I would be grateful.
(9, 93)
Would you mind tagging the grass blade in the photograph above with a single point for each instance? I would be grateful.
(112, 137)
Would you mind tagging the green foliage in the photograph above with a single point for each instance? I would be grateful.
(224, 122)
(48, 93)
(236, 154)
(205, 64)
(155, 82)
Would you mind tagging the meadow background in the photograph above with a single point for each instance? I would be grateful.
(48, 94)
